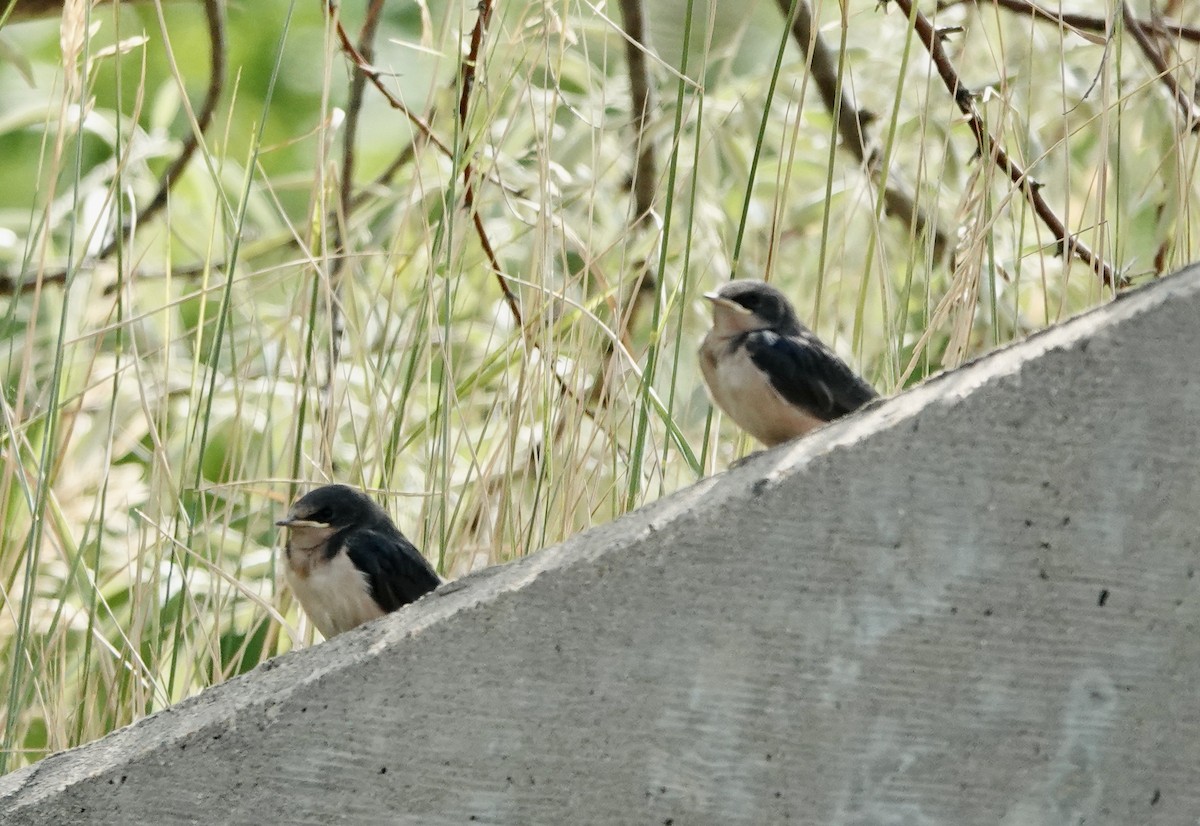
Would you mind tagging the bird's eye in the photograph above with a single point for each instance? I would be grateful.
(322, 515)
(752, 304)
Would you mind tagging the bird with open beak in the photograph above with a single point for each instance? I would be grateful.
(769, 372)
(347, 562)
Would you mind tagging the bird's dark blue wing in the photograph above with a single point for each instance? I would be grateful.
(395, 570)
(808, 374)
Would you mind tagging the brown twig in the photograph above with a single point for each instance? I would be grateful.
(1150, 49)
(1069, 244)
(19, 10)
(358, 84)
(643, 181)
(354, 103)
(1141, 31)
(467, 74)
(1083, 22)
(11, 285)
(644, 176)
(376, 78)
(215, 16)
(823, 67)
(852, 122)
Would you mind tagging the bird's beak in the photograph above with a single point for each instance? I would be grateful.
(300, 523)
(726, 304)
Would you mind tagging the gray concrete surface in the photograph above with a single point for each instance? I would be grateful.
(974, 604)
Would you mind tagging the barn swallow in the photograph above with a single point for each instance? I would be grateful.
(347, 562)
(768, 371)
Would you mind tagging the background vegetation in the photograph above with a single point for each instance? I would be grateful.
(459, 307)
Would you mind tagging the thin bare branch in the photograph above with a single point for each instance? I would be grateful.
(467, 74)
(214, 14)
(1150, 49)
(644, 176)
(852, 123)
(16, 284)
(19, 10)
(354, 103)
(1083, 22)
(12, 285)
(1069, 244)
(376, 78)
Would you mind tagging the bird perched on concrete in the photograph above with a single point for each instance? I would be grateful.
(768, 371)
(347, 562)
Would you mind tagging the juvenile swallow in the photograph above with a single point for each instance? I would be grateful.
(347, 562)
(769, 372)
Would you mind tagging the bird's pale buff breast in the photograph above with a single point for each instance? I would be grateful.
(744, 392)
(335, 594)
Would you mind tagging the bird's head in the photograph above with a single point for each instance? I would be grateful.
(746, 306)
(324, 511)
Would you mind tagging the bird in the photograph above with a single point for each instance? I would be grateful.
(769, 372)
(347, 562)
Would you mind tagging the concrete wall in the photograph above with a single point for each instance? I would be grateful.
(974, 604)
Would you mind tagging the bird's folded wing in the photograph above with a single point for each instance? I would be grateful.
(396, 571)
(808, 374)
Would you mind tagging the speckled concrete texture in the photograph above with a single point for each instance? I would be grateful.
(976, 603)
